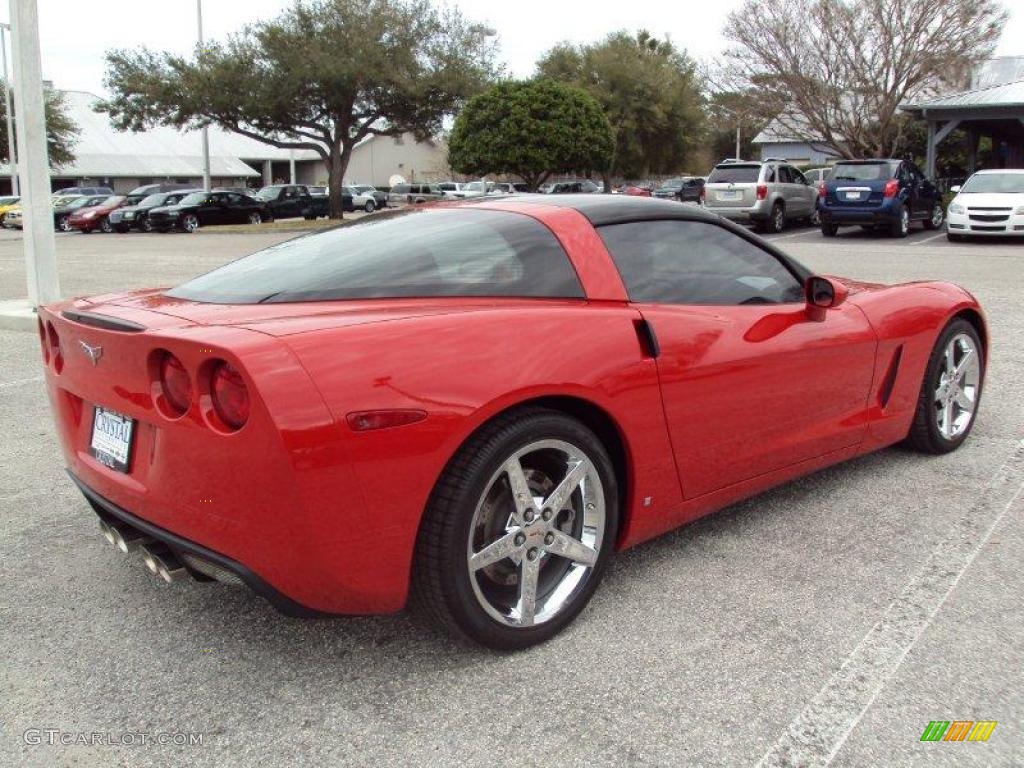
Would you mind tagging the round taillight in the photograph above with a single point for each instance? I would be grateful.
(42, 341)
(53, 341)
(174, 381)
(230, 396)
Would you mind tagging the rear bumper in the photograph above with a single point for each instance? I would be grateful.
(841, 214)
(759, 212)
(106, 508)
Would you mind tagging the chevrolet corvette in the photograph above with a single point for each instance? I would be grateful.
(470, 407)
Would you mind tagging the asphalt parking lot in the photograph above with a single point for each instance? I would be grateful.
(843, 611)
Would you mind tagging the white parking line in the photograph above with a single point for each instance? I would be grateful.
(928, 239)
(817, 734)
(786, 237)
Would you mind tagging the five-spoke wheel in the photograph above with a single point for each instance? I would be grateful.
(518, 530)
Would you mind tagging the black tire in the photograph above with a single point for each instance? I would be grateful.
(828, 229)
(954, 238)
(105, 226)
(441, 588)
(63, 224)
(370, 206)
(147, 225)
(936, 219)
(900, 226)
(924, 435)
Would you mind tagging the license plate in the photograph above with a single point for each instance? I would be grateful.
(729, 196)
(112, 434)
(851, 195)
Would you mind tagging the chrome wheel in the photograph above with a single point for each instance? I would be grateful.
(956, 396)
(370, 206)
(904, 221)
(190, 223)
(937, 216)
(255, 218)
(65, 224)
(816, 218)
(536, 533)
(778, 219)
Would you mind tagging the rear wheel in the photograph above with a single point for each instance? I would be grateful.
(828, 229)
(147, 225)
(777, 221)
(255, 218)
(518, 531)
(950, 392)
(815, 218)
(64, 224)
(106, 226)
(900, 226)
(370, 206)
(935, 220)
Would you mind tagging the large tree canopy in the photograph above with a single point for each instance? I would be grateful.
(61, 130)
(530, 129)
(323, 75)
(647, 89)
(839, 69)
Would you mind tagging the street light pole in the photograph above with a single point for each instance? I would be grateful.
(737, 138)
(206, 133)
(12, 155)
(40, 247)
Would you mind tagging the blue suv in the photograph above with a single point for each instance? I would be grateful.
(878, 194)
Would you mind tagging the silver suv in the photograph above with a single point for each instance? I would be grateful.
(767, 193)
(412, 194)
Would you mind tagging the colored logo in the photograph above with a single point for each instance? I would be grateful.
(958, 730)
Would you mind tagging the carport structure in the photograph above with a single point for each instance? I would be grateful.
(996, 111)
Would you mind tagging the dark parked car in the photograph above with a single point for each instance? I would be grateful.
(85, 191)
(201, 209)
(137, 216)
(289, 201)
(574, 187)
(686, 189)
(62, 213)
(887, 194)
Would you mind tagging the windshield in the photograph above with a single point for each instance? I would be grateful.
(82, 202)
(862, 171)
(151, 201)
(268, 193)
(735, 174)
(673, 184)
(462, 252)
(1007, 183)
(112, 200)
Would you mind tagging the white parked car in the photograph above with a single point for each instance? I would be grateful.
(989, 203)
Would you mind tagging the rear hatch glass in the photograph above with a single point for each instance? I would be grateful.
(735, 174)
(862, 172)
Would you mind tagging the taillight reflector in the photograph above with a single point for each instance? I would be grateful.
(821, 190)
(364, 421)
(230, 396)
(175, 383)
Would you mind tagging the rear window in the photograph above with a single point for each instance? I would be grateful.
(735, 174)
(863, 171)
(408, 253)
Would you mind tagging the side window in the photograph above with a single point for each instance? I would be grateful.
(695, 262)
(769, 174)
(784, 176)
(798, 178)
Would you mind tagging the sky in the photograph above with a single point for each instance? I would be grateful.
(74, 35)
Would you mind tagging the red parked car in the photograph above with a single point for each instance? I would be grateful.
(635, 191)
(96, 217)
(478, 403)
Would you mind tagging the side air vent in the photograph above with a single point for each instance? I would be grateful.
(885, 392)
(102, 321)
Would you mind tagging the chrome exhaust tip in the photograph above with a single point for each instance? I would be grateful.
(124, 537)
(162, 562)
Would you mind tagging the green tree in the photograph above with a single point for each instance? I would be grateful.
(530, 129)
(648, 90)
(61, 130)
(323, 75)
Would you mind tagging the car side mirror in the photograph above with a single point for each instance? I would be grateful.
(955, 188)
(822, 294)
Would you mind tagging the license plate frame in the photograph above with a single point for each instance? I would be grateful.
(112, 438)
(729, 195)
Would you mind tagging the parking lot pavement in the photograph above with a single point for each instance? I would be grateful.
(702, 647)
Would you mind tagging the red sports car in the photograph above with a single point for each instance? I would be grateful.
(477, 404)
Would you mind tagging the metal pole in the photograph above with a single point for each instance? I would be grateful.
(12, 153)
(737, 139)
(40, 248)
(206, 132)
(291, 165)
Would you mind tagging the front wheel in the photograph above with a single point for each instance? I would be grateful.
(954, 238)
(370, 206)
(815, 218)
(950, 392)
(147, 225)
(935, 220)
(190, 223)
(255, 218)
(518, 530)
(106, 226)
